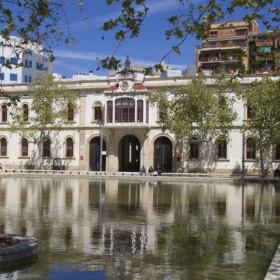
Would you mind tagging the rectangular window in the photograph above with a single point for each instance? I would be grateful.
(26, 62)
(30, 64)
(193, 151)
(24, 147)
(39, 66)
(277, 152)
(4, 113)
(3, 147)
(241, 32)
(14, 60)
(140, 111)
(13, 77)
(250, 149)
(2, 59)
(97, 113)
(222, 149)
(2, 76)
(30, 79)
(213, 34)
(25, 78)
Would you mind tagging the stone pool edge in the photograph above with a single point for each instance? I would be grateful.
(26, 247)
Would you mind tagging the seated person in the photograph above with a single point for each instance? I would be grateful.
(277, 172)
(143, 170)
(151, 170)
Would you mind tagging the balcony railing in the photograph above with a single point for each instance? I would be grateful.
(210, 72)
(224, 45)
(217, 59)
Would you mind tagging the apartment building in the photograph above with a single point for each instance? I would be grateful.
(225, 43)
(25, 61)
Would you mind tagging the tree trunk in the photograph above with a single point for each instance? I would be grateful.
(262, 165)
(40, 156)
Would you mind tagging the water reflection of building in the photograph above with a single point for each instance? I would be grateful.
(116, 219)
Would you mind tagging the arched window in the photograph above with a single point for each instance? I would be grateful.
(194, 148)
(109, 111)
(24, 147)
(69, 147)
(221, 148)
(139, 110)
(70, 111)
(47, 148)
(250, 148)
(97, 111)
(4, 113)
(3, 143)
(25, 113)
(125, 110)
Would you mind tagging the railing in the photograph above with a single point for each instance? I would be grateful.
(216, 58)
(223, 45)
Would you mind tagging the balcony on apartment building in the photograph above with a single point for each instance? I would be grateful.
(211, 59)
(229, 70)
(229, 33)
(217, 57)
(223, 44)
(264, 67)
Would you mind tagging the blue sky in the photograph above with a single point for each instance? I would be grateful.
(146, 50)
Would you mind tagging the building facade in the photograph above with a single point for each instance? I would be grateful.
(229, 40)
(25, 60)
(117, 129)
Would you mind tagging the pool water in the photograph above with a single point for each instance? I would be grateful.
(116, 229)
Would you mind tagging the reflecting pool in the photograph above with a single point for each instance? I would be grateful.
(111, 229)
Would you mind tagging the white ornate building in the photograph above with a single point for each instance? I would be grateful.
(115, 109)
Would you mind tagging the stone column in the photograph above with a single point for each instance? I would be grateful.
(83, 158)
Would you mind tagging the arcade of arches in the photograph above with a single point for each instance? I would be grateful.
(129, 154)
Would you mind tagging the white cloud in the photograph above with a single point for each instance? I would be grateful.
(92, 56)
(155, 7)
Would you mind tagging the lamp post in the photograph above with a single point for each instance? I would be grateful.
(243, 155)
(101, 144)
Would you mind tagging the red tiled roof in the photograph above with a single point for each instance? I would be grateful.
(112, 88)
(138, 86)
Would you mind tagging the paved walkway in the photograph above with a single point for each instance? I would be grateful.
(273, 272)
(136, 175)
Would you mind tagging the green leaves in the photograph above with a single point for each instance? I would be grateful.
(197, 107)
(191, 19)
(48, 111)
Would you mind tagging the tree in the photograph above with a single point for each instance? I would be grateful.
(46, 22)
(191, 19)
(43, 22)
(262, 97)
(197, 108)
(53, 108)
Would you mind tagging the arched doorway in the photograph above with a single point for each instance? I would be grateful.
(94, 154)
(129, 154)
(163, 154)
